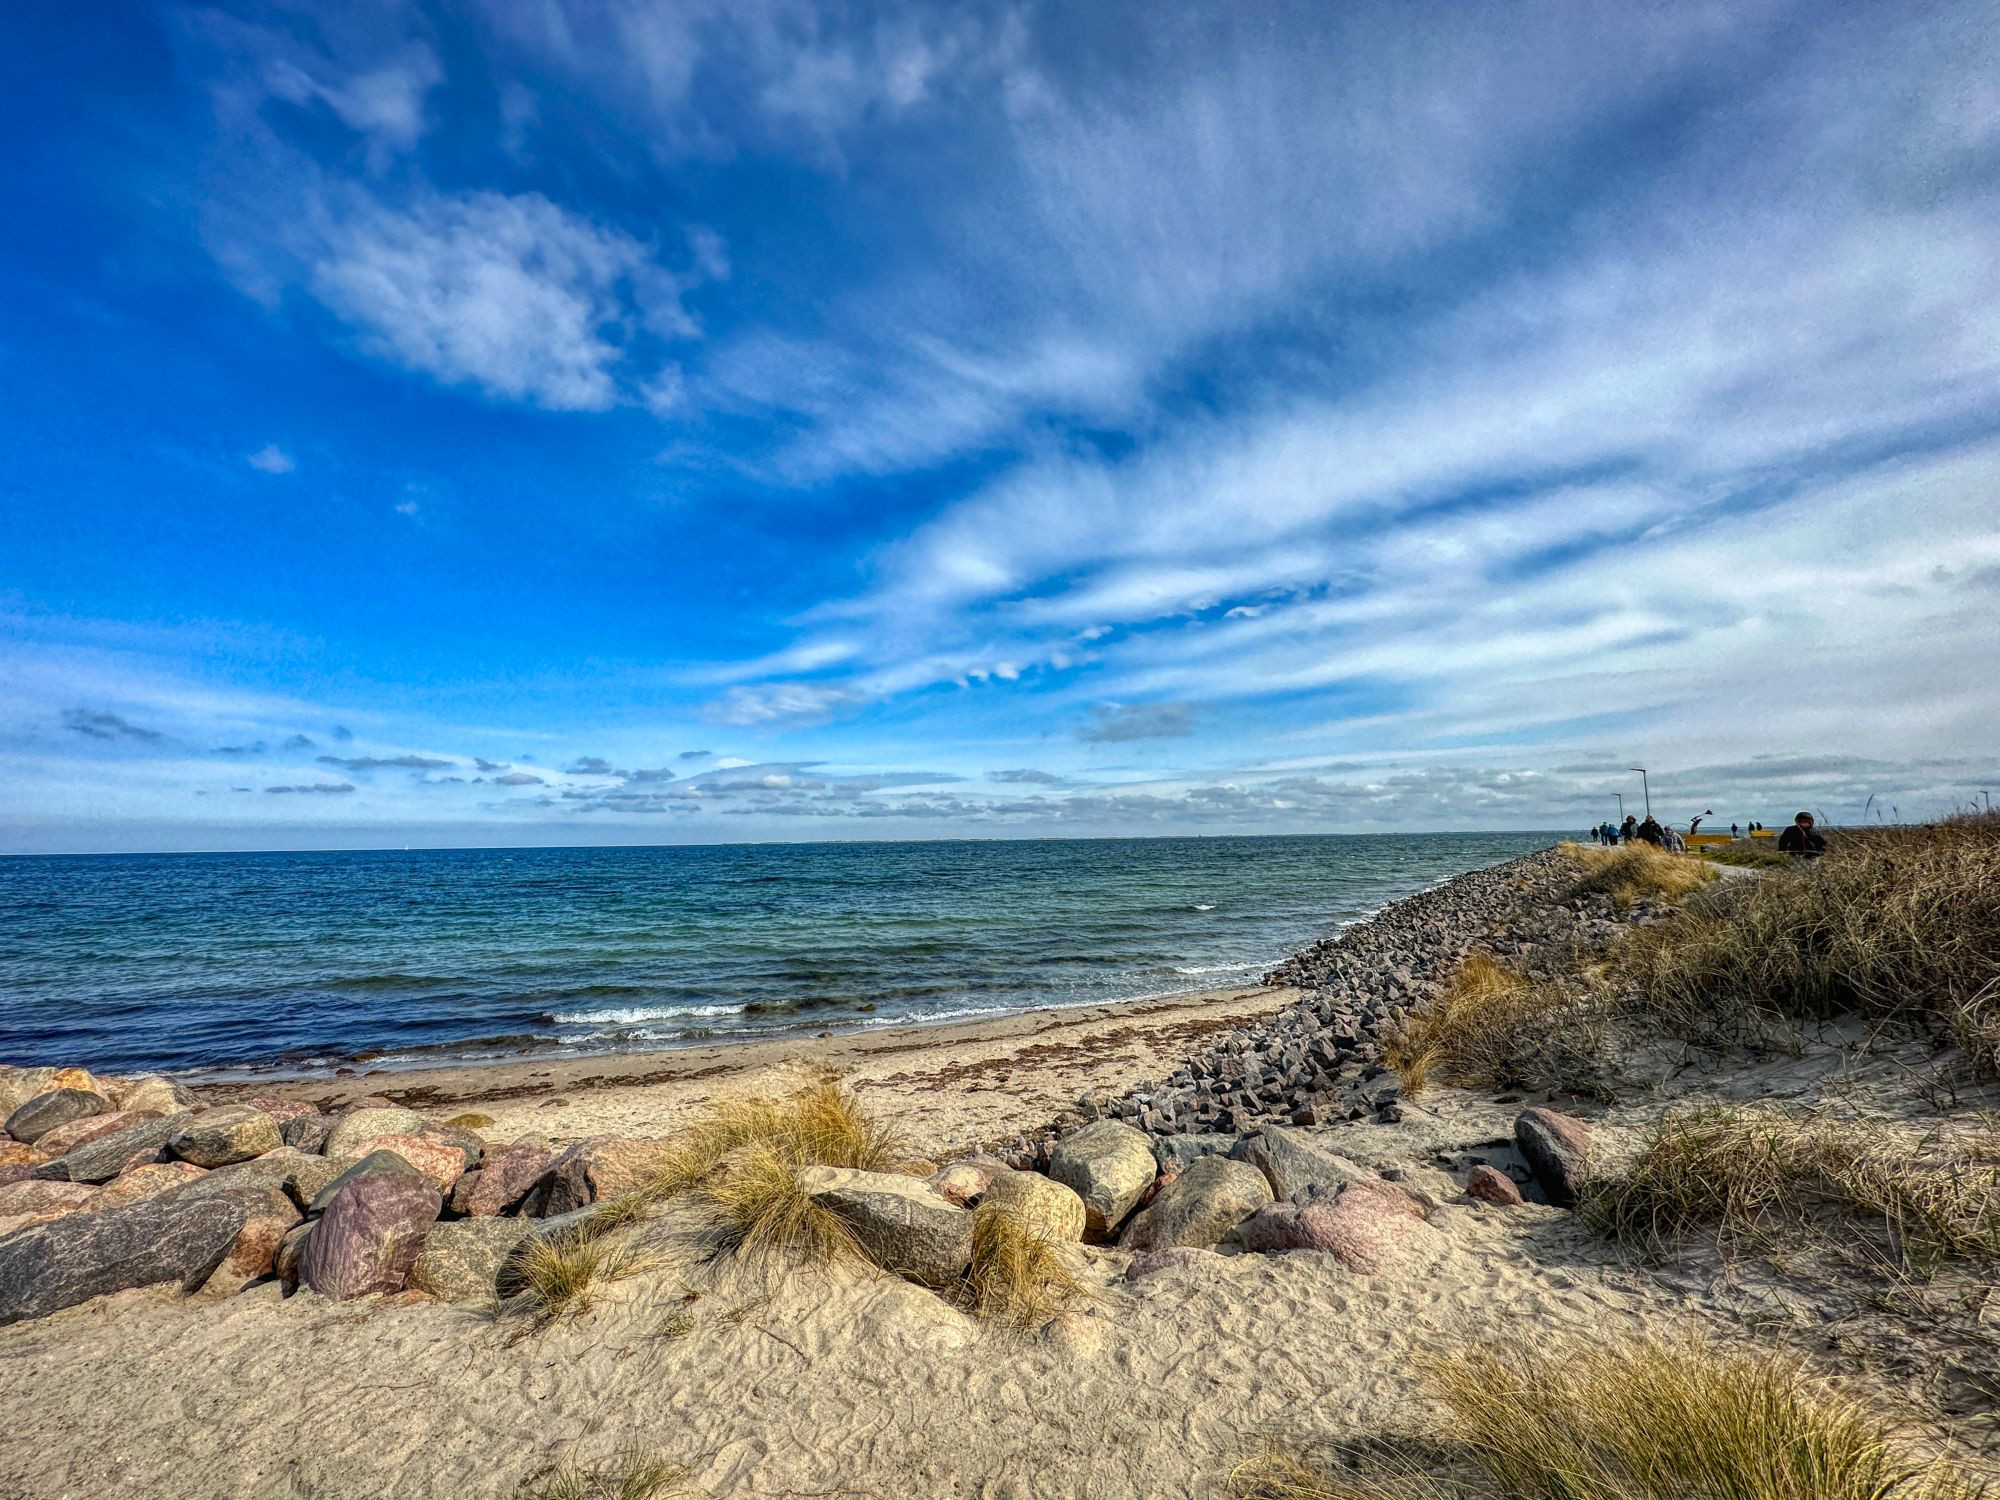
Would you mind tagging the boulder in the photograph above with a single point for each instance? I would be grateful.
(137, 1145)
(370, 1235)
(285, 1264)
(21, 1154)
(457, 1135)
(1557, 1148)
(462, 1261)
(223, 1136)
(1491, 1185)
(1174, 1152)
(501, 1182)
(299, 1176)
(19, 1085)
(66, 1138)
(1155, 1261)
(358, 1125)
(145, 1182)
(590, 1171)
(57, 1107)
(268, 1216)
(1039, 1202)
(280, 1110)
(307, 1132)
(31, 1202)
(1292, 1162)
(439, 1161)
(1109, 1166)
(904, 1223)
(965, 1182)
(150, 1091)
(388, 1162)
(1367, 1221)
(76, 1078)
(1205, 1202)
(19, 1171)
(70, 1260)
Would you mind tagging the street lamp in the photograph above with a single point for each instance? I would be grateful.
(1647, 787)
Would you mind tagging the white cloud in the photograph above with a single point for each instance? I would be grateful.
(271, 459)
(511, 294)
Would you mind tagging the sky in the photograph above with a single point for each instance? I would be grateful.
(600, 421)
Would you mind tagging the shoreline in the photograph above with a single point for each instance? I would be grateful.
(963, 1083)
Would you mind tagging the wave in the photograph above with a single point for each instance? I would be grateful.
(633, 1015)
(1211, 968)
(1198, 906)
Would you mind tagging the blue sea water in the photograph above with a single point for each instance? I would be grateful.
(213, 962)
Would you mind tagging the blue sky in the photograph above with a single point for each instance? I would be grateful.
(556, 421)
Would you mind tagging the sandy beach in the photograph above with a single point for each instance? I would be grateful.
(953, 1086)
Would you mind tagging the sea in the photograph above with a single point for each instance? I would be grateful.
(218, 965)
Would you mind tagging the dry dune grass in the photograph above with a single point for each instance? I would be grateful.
(1628, 873)
(1019, 1275)
(634, 1475)
(1642, 1419)
(1749, 1174)
(1496, 1028)
(740, 1166)
(557, 1276)
(1900, 926)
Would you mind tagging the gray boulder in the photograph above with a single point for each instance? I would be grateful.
(1039, 1202)
(70, 1260)
(1292, 1162)
(370, 1235)
(462, 1261)
(161, 1095)
(110, 1155)
(19, 1085)
(43, 1113)
(590, 1172)
(904, 1223)
(1199, 1207)
(1109, 1166)
(224, 1136)
(1557, 1149)
(307, 1132)
(374, 1162)
(1175, 1152)
(292, 1172)
(352, 1129)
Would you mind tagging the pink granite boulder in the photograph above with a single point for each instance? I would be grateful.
(370, 1235)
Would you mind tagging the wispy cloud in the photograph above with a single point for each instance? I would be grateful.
(1116, 723)
(320, 788)
(384, 762)
(271, 459)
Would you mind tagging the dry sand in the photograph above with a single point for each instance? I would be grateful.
(952, 1086)
(851, 1383)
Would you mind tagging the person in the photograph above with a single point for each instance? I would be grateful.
(1629, 829)
(1800, 841)
(1695, 826)
(1674, 843)
(1649, 831)
(1735, 832)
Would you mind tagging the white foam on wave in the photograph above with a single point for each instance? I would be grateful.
(1210, 968)
(633, 1015)
(1198, 906)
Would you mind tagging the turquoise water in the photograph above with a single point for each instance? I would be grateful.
(214, 961)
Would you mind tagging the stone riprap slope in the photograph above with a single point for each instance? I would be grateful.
(1319, 1062)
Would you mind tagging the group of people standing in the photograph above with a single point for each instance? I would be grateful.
(1648, 830)
(1799, 841)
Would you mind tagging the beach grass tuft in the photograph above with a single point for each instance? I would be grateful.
(1019, 1275)
(1495, 1028)
(1628, 873)
(1898, 926)
(557, 1276)
(1637, 1419)
(472, 1120)
(740, 1164)
(636, 1474)
(1749, 1174)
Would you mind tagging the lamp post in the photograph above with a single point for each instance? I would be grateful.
(1621, 806)
(1647, 787)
